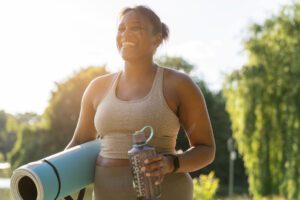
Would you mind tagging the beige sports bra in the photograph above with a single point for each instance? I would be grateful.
(116, 120)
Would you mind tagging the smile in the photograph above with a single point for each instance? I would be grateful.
(128, 44)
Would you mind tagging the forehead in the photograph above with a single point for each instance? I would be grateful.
(133, 17)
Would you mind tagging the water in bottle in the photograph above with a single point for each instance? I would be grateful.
(144, 186)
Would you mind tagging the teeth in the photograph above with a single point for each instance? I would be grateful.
(128, 44)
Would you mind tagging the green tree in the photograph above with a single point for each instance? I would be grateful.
(8, 133)
(3, 117)
(263, 102)
(31, 145)
(3, 136)
(175, 62)
(41, 136)
(28, 118)
(63, 110)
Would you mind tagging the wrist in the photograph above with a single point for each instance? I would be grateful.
(173, 163)
(170, 163)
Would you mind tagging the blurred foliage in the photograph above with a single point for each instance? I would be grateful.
(28, 118)
(41, 136)
(222, 132)
(9, 128)
(205, 186)
(31, 144)
(263, 101)
(1, 158)
(8, 133)
(174, 62)
(63, 110)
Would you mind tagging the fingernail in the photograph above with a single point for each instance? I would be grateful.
(148, 174)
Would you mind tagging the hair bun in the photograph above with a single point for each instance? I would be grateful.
(164, 31)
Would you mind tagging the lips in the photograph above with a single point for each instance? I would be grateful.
(128, 44)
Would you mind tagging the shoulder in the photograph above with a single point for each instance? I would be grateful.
(183, 89)
(98, 87)
(102, 81)
(179, 80)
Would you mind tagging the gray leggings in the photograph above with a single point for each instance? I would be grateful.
(115, 183)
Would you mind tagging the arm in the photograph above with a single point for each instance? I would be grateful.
(193, 115)
(85, 130)
(195, 120)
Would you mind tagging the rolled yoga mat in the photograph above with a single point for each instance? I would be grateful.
(58, 175)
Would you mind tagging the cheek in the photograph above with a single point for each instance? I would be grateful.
(149, 46)
(118, 41)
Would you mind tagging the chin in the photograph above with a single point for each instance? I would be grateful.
(128, 57)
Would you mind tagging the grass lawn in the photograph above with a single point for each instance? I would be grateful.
(5, 194)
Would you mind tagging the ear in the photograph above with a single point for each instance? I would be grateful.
(157, 39)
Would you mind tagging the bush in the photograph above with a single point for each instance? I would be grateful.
(205, 186)
(1, 158)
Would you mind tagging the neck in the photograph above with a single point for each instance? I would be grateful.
(138, 70)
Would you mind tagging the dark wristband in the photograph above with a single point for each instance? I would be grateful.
(175, 162)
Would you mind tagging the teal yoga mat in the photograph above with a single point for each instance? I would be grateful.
(38, 180)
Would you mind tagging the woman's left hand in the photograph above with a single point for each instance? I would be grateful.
(158, 166)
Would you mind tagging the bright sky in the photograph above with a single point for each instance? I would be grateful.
(46, 41)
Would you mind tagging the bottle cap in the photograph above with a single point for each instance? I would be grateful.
(139, 137)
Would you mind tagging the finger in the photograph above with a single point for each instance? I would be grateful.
(154, 165)
(153, 159)
(159, 180)
(156, 172)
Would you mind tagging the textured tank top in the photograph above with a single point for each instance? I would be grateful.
(116, 120)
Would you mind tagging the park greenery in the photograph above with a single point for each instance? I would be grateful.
(258, 106)
(205, 186)
(262, 99)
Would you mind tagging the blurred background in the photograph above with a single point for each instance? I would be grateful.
(244, 55)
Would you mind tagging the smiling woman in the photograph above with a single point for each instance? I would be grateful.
(138, 31)
(114, 106)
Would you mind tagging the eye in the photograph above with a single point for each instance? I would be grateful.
(136, 28)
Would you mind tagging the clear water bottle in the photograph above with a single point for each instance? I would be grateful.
(144, 186)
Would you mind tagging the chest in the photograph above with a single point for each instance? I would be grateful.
(126, 91)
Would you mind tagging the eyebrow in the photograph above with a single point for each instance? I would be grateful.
(134, 22)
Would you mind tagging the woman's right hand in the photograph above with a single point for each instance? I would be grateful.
(158, 166)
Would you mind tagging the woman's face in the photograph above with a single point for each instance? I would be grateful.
(135, 38)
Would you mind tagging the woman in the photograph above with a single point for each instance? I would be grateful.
(116, 105)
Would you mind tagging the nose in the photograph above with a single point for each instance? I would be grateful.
(126, 32)
(125, 35)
